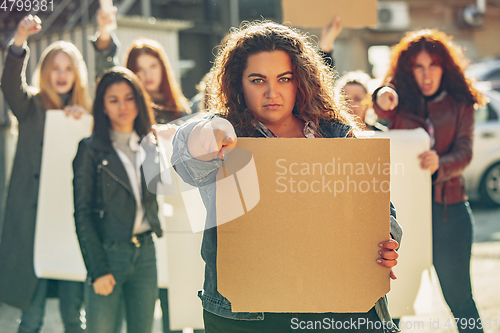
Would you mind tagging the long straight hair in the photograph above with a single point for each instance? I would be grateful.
(145, 118)
(41, 79)
(172, 95)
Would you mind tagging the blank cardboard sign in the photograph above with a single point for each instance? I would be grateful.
(311, 242)
(319, 13)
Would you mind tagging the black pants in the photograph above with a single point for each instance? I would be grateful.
(296, 322)
(452, 243)
(163, 296)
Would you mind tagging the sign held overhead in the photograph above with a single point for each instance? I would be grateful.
(319, 13)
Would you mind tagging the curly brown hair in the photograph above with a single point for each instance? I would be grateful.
(315, 94)
(444, 52)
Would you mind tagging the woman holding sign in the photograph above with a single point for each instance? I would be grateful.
(426, 87)
(115, 214)
(60, 83)
(268, 81)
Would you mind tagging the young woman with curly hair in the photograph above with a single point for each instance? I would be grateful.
(426, 87)
(313, 79)
(267, 81)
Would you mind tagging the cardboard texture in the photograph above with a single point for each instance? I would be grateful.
(319, 13)
(311, 242)
(411, 195)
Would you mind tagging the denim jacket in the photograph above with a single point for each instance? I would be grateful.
(202, 174)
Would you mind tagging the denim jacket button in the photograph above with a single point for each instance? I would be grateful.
(104, 162)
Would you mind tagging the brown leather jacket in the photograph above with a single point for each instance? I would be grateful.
(453, 124)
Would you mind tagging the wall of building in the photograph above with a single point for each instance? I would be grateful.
(351, 46)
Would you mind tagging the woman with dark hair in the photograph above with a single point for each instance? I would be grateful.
(268, 81)
(426, 87)
(115, 214)
(148, 60)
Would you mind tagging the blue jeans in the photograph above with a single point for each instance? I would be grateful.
(134, 269)
(164, 310)
(70, 301)
(452, 243)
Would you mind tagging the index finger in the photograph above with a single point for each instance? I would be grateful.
(390, 244)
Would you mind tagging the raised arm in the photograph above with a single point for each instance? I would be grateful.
(105, 43)
(327, 40)
(13, 83)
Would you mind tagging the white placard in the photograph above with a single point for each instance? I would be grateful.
(57, 252)
(411, 195)
(181, 211)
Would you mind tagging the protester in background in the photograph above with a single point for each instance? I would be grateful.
(327, 39)
(354, 85)
(147, 59)
(115, 213)
(426, 87)
(60, 83)
(267, 81)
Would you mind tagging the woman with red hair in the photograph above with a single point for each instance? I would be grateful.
(426, 87)
(148, 60)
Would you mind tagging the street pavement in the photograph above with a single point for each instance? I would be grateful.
(437, 319)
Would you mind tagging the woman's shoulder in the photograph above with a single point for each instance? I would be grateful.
(94, 143)
(332, 128)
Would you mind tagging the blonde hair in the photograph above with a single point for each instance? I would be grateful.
(50, 98)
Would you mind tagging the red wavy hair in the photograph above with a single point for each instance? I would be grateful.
(444, 52)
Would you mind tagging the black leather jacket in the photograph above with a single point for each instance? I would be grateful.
(105, 206)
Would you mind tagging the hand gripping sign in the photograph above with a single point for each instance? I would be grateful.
(313, 228)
